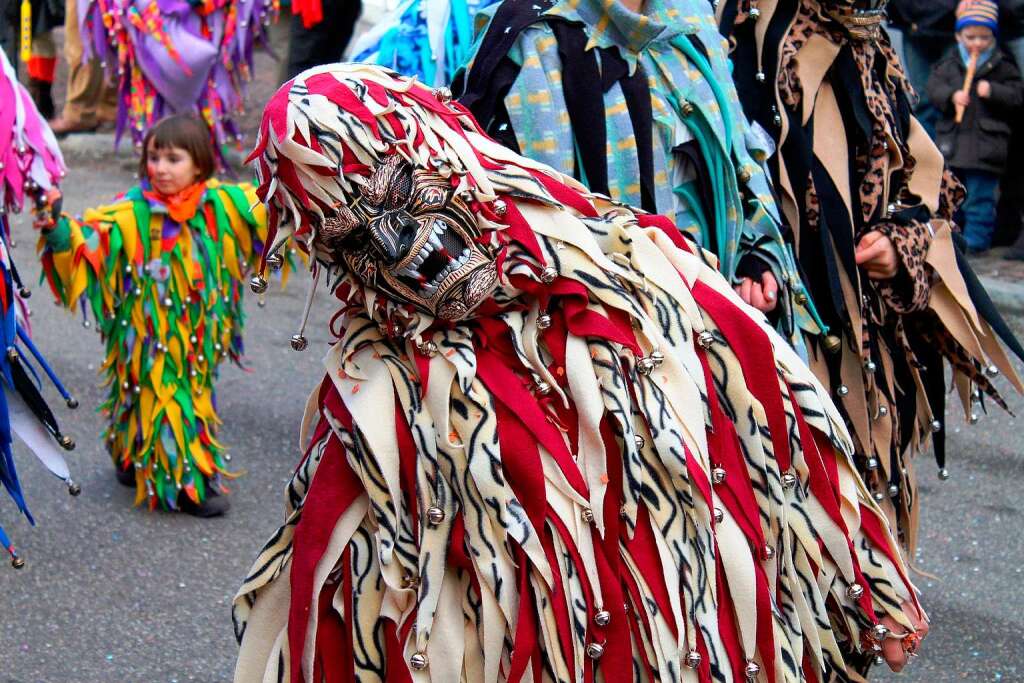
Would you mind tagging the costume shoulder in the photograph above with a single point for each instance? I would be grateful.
(493, 68)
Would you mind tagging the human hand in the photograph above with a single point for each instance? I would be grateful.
(984, 89)
(897, 650)
(877, 255)
(763, 295)
(961, 98)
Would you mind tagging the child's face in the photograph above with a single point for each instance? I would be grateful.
(976, 38)
(170, 169)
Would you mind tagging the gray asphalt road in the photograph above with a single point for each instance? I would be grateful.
(116, 594)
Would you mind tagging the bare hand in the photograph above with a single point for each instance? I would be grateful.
(894, 650)
(876, 254)
(764, 296)
(984, 89)
(961, 98)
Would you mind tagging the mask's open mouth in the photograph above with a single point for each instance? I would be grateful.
(440, 254)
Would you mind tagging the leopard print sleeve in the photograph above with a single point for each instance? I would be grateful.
(909, 290)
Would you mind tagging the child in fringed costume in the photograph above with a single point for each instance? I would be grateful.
(637, 102)
(428, 39)
(176, 56)
(162, 269)
(30, 166)
(864, 191)
(552, 444)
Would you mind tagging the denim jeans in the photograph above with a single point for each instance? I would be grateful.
(979, 211)
(921, 54)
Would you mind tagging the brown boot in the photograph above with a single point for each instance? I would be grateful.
(63, 127)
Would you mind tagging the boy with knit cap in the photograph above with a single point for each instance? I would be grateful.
(974, 132)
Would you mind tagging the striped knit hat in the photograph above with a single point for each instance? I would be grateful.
(977, 13)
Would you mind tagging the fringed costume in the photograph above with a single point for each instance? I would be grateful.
(177, 56)
(31, 165)
(852, 159)
(428, 39)
(640, 107)
(164, 279)
(551, 445)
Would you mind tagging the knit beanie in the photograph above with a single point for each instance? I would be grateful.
(977, 13)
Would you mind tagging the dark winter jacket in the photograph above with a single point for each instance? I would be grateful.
(924, 18)
(981, 141)
(1011, 20)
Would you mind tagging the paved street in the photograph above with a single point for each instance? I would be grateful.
(116, 594)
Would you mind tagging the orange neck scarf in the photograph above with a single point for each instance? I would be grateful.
(183, 205)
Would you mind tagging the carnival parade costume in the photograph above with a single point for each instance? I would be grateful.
(428, 39)
(552, 444)
(176, 56)
(823, 77)
(30, 165)
(164, 279)
(639, 106)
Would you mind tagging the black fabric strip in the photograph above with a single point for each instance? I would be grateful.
(835, 228)
(26, 388)
(637, 92)
(983, 302)
(581, 87)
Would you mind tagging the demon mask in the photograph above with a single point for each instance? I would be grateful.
(413, 239)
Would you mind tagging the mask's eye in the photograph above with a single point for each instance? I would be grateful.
(341, 230)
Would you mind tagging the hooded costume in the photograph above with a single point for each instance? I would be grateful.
(823, 77)
(175, 56)
(551, 443)
(639, 106)
(164, 278)
(30, 166)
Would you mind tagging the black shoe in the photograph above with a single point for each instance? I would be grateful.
(125, 477)
(42, 95)
(215, 505)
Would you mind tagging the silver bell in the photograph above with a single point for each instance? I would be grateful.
(751, 670)
(992, 371)
(548, 275)
(754, 13)
(595, 650)
(706, 339)
(873, 463)
(870, 366)
(639, 441)
(443, 95)
(588, 516)
(500, 207)
(657, 357)
(418, 661)
(843, 390)
(275, 261)
(72, 402)
(298, 342)
(769, 552)
(257, 284)
(428, 349)
(879, 632)
(435, 515)
(759, 77)
(718, 475)
(973, 419)
(602, 617)
(855, 591)
(788, 480)
(894, 490)
(73, 488)
(943, 474)
(543, 388)
(882, 411)
(543, 321)
(878, 496)
(719, 515)
(936, 426)
(645, 366)
(693, 659)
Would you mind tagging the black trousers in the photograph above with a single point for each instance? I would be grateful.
(324, 43)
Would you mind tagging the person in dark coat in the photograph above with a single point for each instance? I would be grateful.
(927, 27)
(977, 147)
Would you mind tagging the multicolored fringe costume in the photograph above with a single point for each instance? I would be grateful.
(428, 39)
(640, 107)
(175, 56)
(165, 284)
(823, 77)
(551, 444)
(30, 166)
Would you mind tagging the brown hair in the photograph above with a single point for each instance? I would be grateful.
(187, 132)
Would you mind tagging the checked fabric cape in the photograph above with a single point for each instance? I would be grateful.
(604, 467)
